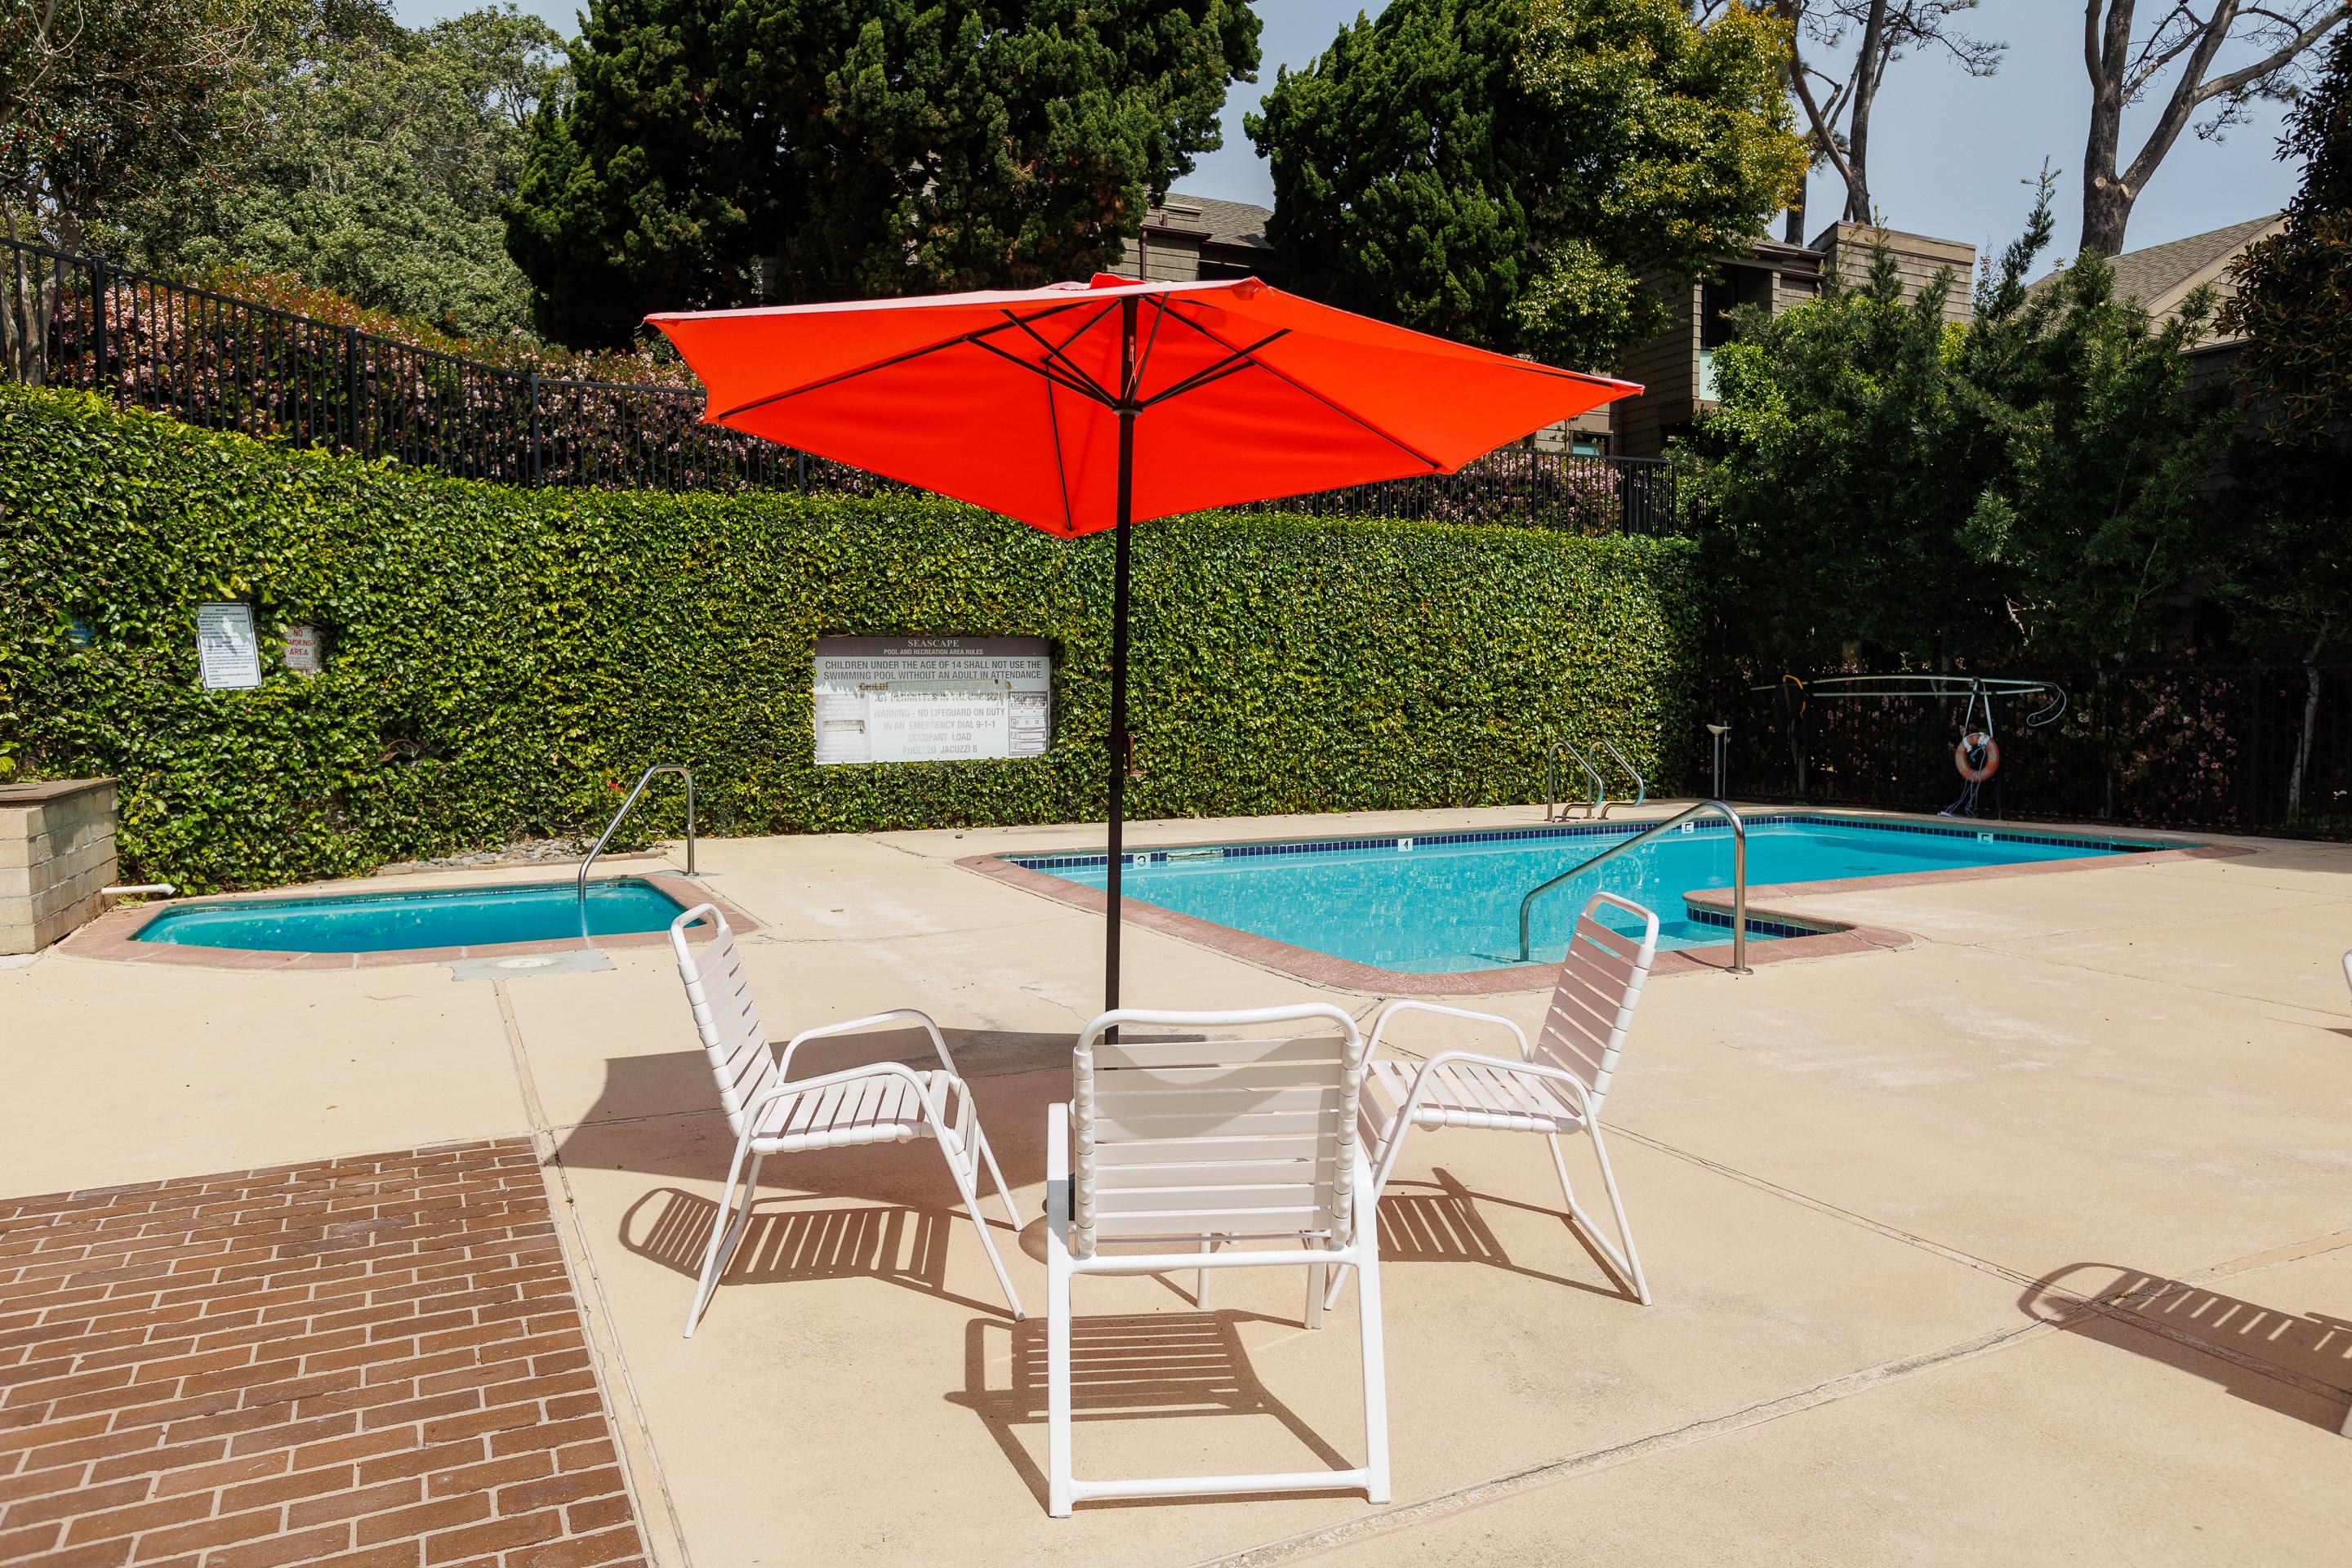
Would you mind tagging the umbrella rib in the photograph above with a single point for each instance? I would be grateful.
(1085, 388)
(1092, 388)
(1345, 413)
(974, 338)
(1237, 361)
(1159, 314)
(1061, 464)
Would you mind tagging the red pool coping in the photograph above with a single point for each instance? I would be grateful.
(115, 934)
(1834, 937)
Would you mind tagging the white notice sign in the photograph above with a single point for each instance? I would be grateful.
(228, 654)
(923, 700)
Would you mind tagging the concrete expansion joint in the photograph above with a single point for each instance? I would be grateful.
(1390, 1520)
(2117, 1306)
(662, 1531)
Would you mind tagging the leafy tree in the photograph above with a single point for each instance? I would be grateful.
(374, 160)
(1507, 171)
(717, 152)
(2288, 565)
(2027, 483)
(101, 101)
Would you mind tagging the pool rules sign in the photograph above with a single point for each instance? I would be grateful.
(928, 699)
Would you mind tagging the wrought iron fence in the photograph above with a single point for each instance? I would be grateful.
(216, 361)
(2171, 745)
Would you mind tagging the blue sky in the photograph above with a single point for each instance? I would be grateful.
(1952, 155)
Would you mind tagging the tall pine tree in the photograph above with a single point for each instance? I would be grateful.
(716, 151)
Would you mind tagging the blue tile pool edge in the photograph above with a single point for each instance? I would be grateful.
(114, 934)
(1051, 861)
(1804, 936)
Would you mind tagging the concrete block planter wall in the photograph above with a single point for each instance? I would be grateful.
(56, 850)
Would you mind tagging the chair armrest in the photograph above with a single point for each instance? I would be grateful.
(826, 1031)
(1525, 1070)
(847, 1075)
(1411, 1005)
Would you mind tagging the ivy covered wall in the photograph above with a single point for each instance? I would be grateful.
(499, 658)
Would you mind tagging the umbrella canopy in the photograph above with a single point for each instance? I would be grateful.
(1085, 406)
(1012, 401)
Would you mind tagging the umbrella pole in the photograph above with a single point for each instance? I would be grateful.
(1120, 574)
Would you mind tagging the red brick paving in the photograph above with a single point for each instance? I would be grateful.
(373, 1362)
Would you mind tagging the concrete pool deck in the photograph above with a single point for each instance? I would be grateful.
(2027, 1240)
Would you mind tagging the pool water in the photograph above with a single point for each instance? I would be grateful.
(388, 922)
(1450, 902)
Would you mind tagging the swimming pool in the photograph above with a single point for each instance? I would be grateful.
(411, 919)
(1445, 903)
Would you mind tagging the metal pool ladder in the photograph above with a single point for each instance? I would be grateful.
(1739, 875)
(1595, 806)
(611, 827)
(1598, 806)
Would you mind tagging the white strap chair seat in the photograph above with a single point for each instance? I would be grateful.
(867, 1110)
(1555, 1083)
(772, 1113)
(1201, 1142)
(1469, 1094)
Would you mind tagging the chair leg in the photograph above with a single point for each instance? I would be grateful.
(1316, 1273)
(1384, 1160)
(979, 1137)
(948, 1149)
(1376, 1389)
(1628, 1262)
(1058, 1382)
(1200, 1277)
(724, 1236)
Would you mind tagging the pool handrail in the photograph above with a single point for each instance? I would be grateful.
(611, 827)
(1641, 784)
(1597, 806)
(1739, 875)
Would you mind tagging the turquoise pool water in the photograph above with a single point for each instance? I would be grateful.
(387, 922)
(1449, 901)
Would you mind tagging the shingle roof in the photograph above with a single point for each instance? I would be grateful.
(2158, 270)
(1224, 222)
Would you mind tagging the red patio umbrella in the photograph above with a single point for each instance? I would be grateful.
(1085, 406)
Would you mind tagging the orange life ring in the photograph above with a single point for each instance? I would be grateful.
(1977, 773)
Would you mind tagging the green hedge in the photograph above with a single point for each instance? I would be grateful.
(501, 657)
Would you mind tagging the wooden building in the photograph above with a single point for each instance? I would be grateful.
(1186, 238)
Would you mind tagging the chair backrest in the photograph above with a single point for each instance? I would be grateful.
(1239, 1136)
(724, 1013)
(1591, 1007)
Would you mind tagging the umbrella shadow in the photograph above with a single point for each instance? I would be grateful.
(2298, 1364)
(1437, 1221)
(1127, 1367)
(786, 1242)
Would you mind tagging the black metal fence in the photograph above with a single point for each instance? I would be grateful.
(2175, 745)
(226, 363)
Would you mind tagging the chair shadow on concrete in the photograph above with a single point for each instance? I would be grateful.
(1437, 1221)
(2296, 1364)
(676, 1086)
(1127, 1367)
(790, 1242)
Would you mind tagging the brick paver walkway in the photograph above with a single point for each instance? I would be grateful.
(374, 1361)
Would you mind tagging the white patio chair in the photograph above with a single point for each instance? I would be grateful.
(1556, 1085)
(772, 1113)
(1200, 1143)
